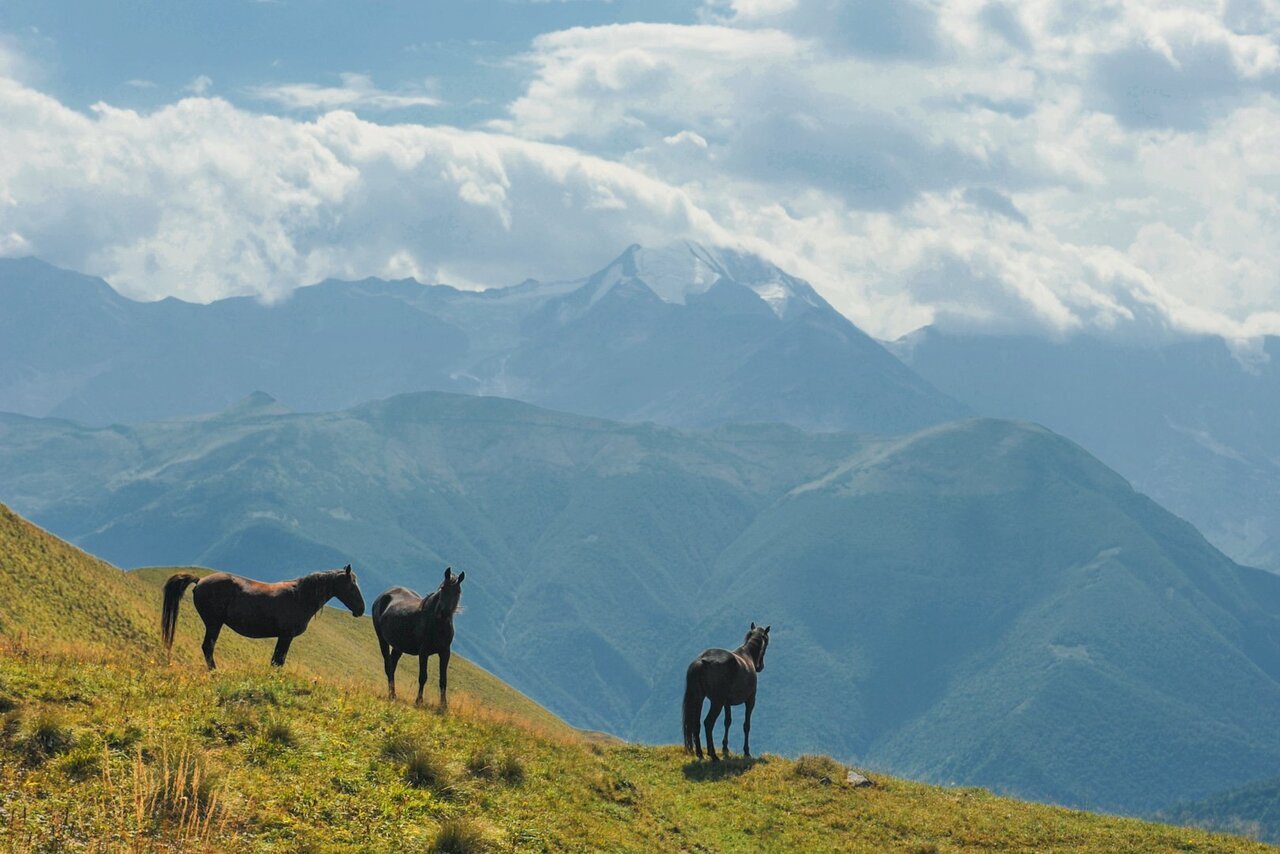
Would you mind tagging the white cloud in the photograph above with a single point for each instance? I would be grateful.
(201, 199)
(1038, 165)
(356, 91)
(200, 85)
(606, 81)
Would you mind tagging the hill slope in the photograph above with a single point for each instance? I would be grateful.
(104, 750)
(682, 334)
(982, 602)
(54, 594)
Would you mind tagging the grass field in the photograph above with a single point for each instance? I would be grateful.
(105, 747)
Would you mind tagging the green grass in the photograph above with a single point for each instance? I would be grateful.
(103, 746)
(361, 771)
(54, 595)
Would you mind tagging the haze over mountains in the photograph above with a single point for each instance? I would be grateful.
(981, 602)
(1188, 421)
(682, 335)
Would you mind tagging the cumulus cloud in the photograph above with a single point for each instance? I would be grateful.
(635, 80)
(1041, 165)
(969, 163)
(884, 29)
(202, 199)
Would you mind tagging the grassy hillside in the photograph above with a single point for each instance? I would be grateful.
(54, 596)
(102, 749)
(980, 603)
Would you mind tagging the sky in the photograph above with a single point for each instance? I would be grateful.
(1048, 167)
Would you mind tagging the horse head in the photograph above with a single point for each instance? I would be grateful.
(450, 590)
(348, 591)
(757, 640)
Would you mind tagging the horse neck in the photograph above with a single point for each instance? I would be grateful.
(433, 607)
(750, 649)
(316, 589)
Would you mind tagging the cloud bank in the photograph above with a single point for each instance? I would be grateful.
(1044, 166)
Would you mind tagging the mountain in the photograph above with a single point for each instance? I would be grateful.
(104, 748)
(682, 335)
(1251, 810)
(980, 602)
(1188, 421)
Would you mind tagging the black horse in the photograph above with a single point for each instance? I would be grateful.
(728, 679)
(408, 623)
(256, 609)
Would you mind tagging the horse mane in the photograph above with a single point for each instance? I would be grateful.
(752, 645)
(432, 605)
(319, 585)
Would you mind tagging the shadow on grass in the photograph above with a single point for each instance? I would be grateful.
(702, 771)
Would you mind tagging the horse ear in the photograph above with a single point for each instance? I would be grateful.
(766, 629)
(753, 625)
(448, 573)
(348, 569)
(462, 575)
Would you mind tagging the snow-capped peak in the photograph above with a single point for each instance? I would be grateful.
(685, 268)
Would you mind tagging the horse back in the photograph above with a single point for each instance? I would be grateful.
(395, 600)
(397, 618)
(724, 676)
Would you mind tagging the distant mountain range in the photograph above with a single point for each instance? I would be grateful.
(981, 602)
(681, 335)
(1187, 421)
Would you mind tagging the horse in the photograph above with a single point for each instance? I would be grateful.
(257, 609)
(408, 623)
(728, 679)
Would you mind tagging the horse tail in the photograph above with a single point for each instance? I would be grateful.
(692, 706)
(173, 590)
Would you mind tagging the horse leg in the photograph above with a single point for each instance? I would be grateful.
(728, 719)
(444, 680)
(711, 729)
(746, 728)
(390, 660)
(697, 733)
(211, 631)
(282, 649)
(422, 676)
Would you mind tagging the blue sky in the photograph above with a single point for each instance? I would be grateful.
(1051, 166)
(145, 54)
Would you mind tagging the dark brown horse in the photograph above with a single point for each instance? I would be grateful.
(256, 609)
(728, 679)
(407, 623)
